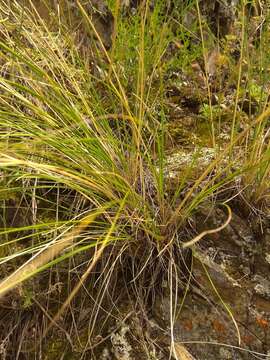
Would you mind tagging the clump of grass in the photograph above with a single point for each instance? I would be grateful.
(60, 123)
(95, 130)
(252, 82)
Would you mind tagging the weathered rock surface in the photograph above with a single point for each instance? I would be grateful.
(229, 292)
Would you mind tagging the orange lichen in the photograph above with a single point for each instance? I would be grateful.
(248, 339)
(219, 327)
(187, 324)
(263, 323)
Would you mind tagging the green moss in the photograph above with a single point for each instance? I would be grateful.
(56, 349)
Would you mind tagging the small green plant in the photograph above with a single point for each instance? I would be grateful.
(27, 297)
(205, 111)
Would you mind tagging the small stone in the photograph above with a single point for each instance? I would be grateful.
(105, 354)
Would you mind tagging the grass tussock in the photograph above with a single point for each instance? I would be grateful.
(83, 144)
